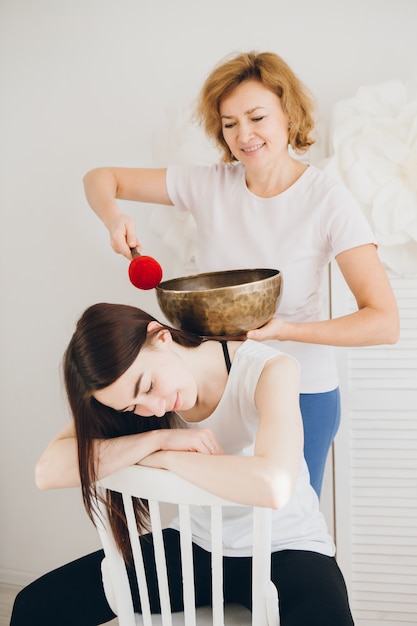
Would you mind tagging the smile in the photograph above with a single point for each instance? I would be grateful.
(253, 148)
(176, 403)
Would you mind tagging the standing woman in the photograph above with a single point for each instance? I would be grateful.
(128, 378)
(261, 207)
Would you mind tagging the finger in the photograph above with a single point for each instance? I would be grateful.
(118, 243)
(123, 249)
(214, 448)
(261, 334)
(131, 239)
(206, 447)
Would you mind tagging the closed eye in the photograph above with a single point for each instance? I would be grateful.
(129, 410)
(228, 125)
(133, 409)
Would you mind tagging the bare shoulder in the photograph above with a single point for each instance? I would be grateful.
(68, 432)
(279, 364)
(282, 364)
(278, 384)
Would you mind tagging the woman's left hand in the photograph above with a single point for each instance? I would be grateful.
(200, 440)
(274, 329)
(158, 459)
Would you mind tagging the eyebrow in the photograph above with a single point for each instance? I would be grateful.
(135, 392)
(228, 117)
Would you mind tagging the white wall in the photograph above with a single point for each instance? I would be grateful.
(86, 83)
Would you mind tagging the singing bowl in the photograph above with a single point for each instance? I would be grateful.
(224, 304)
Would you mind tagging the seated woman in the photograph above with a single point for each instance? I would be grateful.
(223, 415)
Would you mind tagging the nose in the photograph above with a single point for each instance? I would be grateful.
(152, 406)
(244, 132)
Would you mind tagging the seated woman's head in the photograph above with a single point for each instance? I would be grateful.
(116, 351)
(113, 343)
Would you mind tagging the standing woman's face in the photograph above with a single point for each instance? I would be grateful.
(254, 125)
(158, 381)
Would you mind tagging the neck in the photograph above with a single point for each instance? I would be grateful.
(269, 183)
(209, 370)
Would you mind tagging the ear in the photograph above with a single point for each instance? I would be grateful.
(159, 333)
(152, 326)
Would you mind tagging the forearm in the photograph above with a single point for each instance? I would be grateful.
(113, 454)
(250, 480)
(100, 186)
(58, 466)
(366, 327)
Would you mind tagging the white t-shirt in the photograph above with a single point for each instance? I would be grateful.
(299, 525)
(297, 232)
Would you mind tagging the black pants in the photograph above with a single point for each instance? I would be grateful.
(311, 588)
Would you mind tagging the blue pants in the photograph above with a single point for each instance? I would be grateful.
(321, 419)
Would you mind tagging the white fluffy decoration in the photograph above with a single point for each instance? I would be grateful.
(179, 141)
(374, 138)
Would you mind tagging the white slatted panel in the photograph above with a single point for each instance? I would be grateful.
(383, 473)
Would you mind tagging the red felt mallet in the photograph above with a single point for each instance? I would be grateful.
(144, 271)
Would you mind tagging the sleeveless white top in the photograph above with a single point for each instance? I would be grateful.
(297, 526)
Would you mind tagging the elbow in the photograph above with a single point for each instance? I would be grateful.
(41, 476)
(99, 180)
(281, 497)
(385, 328)
(91, 175)
(277, 490)
(392, 329)
(394, 334)
(47, 476)
(392, 338)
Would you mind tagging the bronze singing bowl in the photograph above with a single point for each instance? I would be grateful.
(221, 304)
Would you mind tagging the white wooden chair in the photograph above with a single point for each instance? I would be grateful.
(159, 487)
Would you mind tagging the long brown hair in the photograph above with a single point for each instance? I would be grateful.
(275, 74)
(107, 339)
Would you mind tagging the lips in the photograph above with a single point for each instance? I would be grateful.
(252, 149)
(176, 403)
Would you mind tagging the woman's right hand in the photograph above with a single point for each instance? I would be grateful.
(122, 230)
(201, 440)
(105, 185)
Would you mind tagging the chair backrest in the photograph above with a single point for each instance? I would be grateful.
(159, 487)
